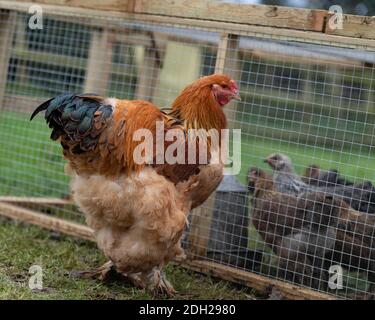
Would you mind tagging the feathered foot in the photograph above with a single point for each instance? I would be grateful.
(105, 272)
(108, 272)
(155, 282)
(158, 285)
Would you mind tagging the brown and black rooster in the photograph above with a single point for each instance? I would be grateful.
(138, 210)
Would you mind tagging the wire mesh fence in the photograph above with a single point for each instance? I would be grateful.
(302, 207)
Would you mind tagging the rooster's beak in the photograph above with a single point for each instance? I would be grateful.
(236, 96)
(266, 160)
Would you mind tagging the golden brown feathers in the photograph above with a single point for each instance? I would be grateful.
(197, 106)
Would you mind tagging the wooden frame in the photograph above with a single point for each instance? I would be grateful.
(300, 24)
(232, 20)
(123, 5)
(97, 74)
(226, 62)
(149, 69)
(45, 221)
(36, 201)
(199, 229)
(6, 35)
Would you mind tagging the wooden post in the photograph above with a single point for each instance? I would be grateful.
(148, 71)
(7, 26)
(177, 73)
(199, 233)
(228, 62)
(20, 46)
(99, 63)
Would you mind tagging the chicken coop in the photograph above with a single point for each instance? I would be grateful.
(307, 90)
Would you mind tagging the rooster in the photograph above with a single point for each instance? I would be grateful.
(138, 211)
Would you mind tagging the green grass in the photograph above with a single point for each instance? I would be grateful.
(30, 164)
(23, 246)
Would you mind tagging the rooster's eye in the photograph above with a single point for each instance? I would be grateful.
(225, 86)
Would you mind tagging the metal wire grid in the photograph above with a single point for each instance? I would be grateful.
(312, 102)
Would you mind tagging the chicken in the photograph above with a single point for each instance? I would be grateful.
(137, 200)
(279, 218)
(285, 179)
(302, 230)
(302, 254)
(316, 176)
(360, 196)
(354, 248)
(344, 237)
(274, 214)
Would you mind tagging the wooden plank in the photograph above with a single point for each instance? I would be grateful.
(50, 58)
(171, 81)
(252, 280)
(123, 5)
(47, 222)
(20, 46)
(354, 26)
(36, 200)
(295, 18)
(131, 5)
(221, 52)
(281, 17)
(148, 70)
(148, 76)
(282, 58)
(7, 23)
(99, 63)
(263, 32)
(249, 29)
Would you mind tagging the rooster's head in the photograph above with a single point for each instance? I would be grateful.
(201, 102)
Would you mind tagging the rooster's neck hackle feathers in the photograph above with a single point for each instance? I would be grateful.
(197, 106)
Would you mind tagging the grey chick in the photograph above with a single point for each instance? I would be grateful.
(285, 179)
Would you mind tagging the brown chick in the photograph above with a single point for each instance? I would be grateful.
(335, 234)
(274, 214)
(316, 176)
